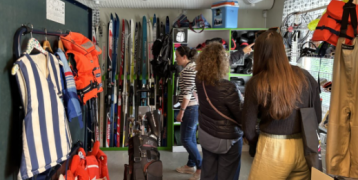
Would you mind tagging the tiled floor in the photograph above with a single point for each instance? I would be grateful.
(117, 159)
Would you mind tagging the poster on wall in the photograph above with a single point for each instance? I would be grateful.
(55, 11)
(181, 36)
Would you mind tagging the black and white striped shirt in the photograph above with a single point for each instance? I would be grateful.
(187, 84)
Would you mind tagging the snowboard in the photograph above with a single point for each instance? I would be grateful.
(109, 78)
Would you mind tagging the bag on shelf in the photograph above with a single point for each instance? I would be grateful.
(198, 22)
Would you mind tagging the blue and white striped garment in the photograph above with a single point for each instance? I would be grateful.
(46, 137)
(71, 101)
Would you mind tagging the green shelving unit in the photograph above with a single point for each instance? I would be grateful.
(171, 87)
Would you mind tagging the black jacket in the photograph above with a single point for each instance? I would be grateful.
(225, 97)
(236, 56)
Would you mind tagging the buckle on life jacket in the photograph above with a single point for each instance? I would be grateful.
(91, 86)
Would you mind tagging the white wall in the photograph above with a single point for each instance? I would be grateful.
(246, 18)
(274, 15)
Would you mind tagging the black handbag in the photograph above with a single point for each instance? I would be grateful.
(309, 126)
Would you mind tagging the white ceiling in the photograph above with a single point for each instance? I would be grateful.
(176, 4)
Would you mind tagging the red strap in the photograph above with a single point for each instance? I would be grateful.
(221, 114)
(233, 48)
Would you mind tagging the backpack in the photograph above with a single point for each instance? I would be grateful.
(162, 52)
(144, 159)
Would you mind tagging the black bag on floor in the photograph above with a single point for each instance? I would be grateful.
(144, 159)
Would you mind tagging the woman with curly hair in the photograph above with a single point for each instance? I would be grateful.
(220, 130)
(188, 114)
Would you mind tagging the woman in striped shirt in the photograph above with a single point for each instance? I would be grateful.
(188, 115)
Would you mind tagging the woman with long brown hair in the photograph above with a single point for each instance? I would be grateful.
(220, 133)
(274, 95)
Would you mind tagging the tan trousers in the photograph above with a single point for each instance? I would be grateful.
(279, 158)
(342, 136)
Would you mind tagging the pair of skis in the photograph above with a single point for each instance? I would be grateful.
(128, 94)
(113, 38)
(135, 49)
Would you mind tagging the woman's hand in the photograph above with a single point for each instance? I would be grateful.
(248, 49)
(180, 116)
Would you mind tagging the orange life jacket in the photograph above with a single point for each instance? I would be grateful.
(92, 165)
(329, 26)
(88, 75)
(101, 159)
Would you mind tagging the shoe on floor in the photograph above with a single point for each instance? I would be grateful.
(186, 170)
(196, 176)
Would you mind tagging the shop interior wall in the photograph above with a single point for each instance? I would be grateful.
(13, 13)
(274, 15)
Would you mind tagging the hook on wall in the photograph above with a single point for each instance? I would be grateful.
(45, 34)
(30, 27)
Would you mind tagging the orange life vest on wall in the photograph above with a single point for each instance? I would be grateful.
(88, 75)
(329, 26)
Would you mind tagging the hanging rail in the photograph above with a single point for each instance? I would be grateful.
(23, 30)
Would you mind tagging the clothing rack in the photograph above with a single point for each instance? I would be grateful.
(23, 30)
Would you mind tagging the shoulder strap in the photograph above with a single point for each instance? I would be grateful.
(310, 92)
(137, 167)
(221, 114)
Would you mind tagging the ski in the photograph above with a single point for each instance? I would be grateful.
(139, 76)
(125, 86)
(154, 86)
(120, 86)
(150, 57)
(95, 108)
(113, 80)
(135, 69)
(102, 97)
(167, 25)
(144, 61)
(132, 67)
(109, 79)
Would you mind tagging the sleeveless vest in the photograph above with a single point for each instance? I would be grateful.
(46, 137)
